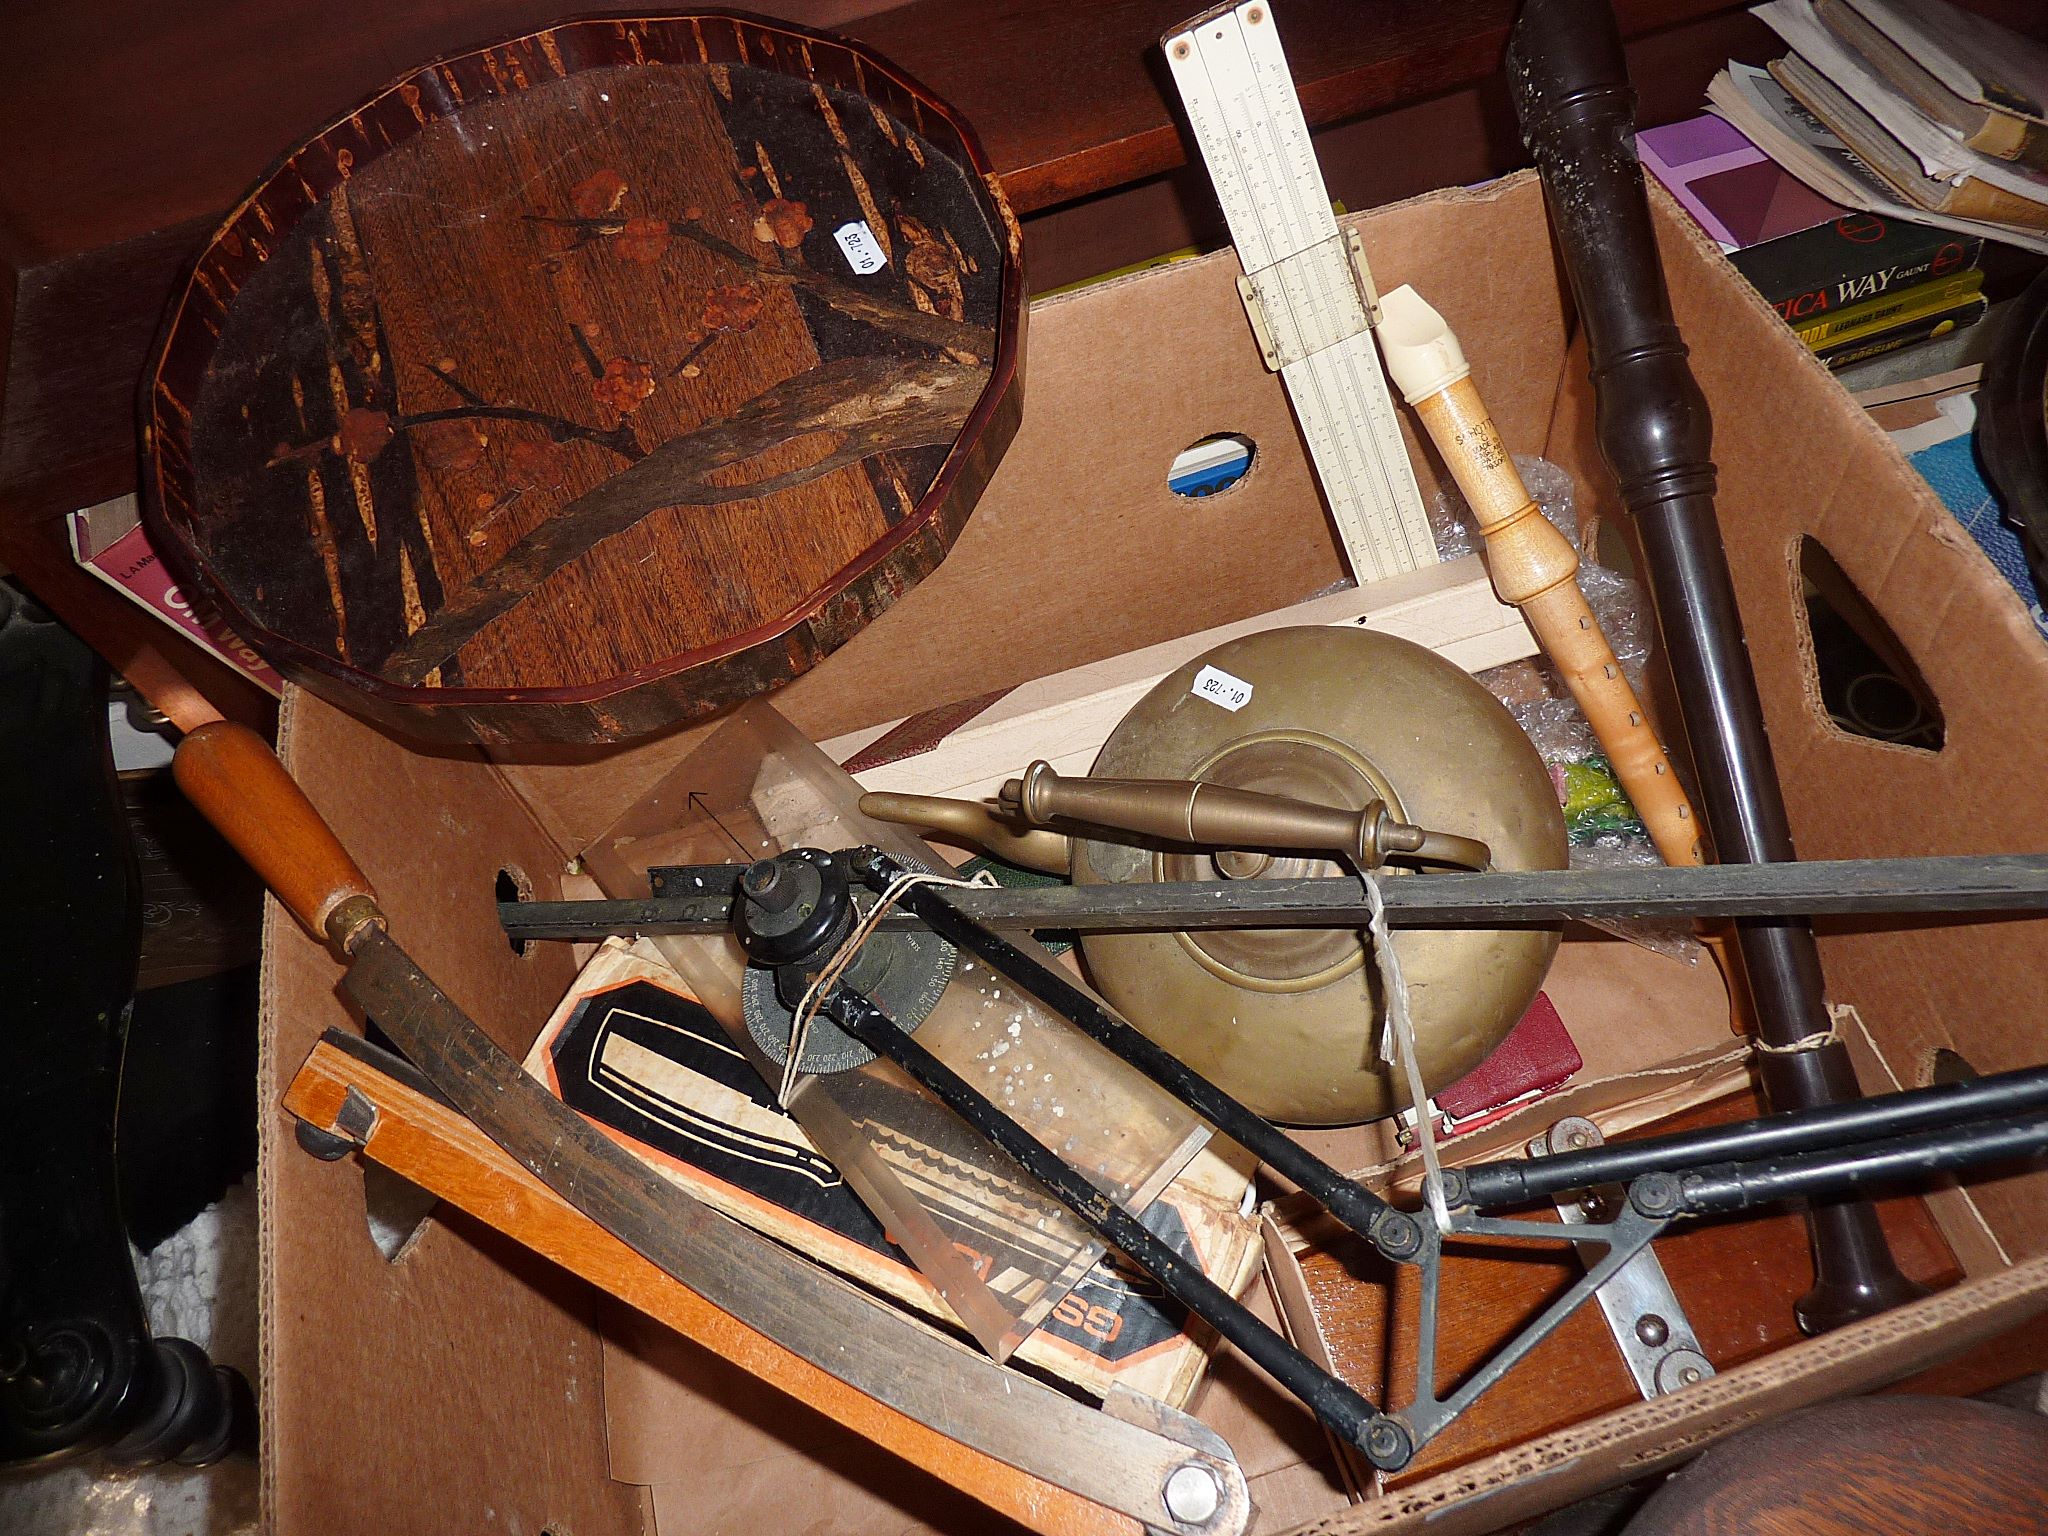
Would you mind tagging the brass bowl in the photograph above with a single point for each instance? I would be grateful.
(1289, 1020)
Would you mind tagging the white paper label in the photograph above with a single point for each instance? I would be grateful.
(1219, 687)
(863, 251)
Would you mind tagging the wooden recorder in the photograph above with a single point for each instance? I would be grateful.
(1533, 565)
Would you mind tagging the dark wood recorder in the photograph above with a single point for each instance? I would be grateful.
(1571, 90)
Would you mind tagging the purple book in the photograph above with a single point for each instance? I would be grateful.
(1806, 255)
(1739, 194)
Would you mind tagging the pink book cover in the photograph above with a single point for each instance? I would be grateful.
(110, 541)
(1738, 194)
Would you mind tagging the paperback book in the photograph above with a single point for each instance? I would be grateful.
(1892, 311)
(1923, 162)
(1980, 81)
(1803, 144)
(1842, 353)
(108, 540)
(1810, 257)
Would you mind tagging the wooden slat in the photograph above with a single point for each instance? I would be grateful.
(435, 1147)
(1097, 117)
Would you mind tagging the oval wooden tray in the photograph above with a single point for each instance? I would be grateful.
(591, 382)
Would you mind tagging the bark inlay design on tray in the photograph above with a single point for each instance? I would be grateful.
(660, 361)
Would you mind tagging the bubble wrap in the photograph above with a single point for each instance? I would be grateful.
(1604, 830)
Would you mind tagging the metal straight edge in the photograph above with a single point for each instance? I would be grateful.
(1957, 884)
(1012, 1418)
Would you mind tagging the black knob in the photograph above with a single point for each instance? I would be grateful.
(793, 908)
(769, 886)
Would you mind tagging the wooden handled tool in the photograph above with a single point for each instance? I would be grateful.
(1533, 565)
(1025, 1451)
(235, 781)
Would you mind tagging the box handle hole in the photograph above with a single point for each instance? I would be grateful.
(513, 885)
(395, 1210)
(1211, 464)
(1947, 1066)
(1867, 680)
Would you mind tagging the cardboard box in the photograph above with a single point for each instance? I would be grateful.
(458, 1388)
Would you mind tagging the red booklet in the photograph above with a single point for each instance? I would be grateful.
(1537, 1056)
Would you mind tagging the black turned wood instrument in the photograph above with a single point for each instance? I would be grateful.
(1571, 90)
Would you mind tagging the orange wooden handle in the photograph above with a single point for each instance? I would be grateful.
(1535, 567)
(230, 774)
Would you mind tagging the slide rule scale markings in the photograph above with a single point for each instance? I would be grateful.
(1305, 286)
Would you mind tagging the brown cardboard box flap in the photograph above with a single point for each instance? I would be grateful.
(672, 1403)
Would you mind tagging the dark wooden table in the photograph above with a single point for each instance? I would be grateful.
(128, 127)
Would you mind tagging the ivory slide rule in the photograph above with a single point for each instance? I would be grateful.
(1306, 286)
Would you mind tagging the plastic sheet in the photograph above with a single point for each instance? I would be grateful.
(1604, 830)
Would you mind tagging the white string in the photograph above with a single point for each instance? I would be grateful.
(1397, 1044)
(1820, 1040)
(844, 956)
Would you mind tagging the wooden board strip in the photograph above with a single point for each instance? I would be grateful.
(1065, 718)
(437, 1148)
